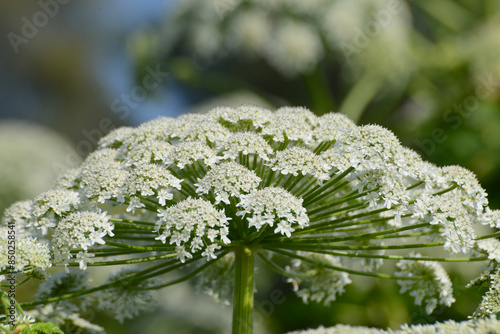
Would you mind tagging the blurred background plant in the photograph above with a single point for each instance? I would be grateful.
(32, 156)
(427, 70)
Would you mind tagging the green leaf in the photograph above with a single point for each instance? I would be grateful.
(38, 328)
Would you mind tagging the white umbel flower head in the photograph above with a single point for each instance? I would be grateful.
(490, 304)
(18, 215)
(245, 143)
(296, 48)
(435, 287)
(80, 230)
(102, 176)
(295, 124)
(275, 207)
(321, 195)
(297, 160)
(192, 225)
(313, 283)
(26, 254)
(226, 180)
(490, 247)
(191, 152)
(65, 282)
(126, 300)
(56, 201)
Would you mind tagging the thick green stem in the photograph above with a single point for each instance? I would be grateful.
(243, 291)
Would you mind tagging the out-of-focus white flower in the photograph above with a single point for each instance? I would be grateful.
(313, 283)
(295, 36)
(373, 36)
(32, 157)
(482, 49)
(295, 48)
(435, 289)
(125, 300)
(61, 283)
(211, 284)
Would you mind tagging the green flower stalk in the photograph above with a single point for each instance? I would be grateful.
(317, 199)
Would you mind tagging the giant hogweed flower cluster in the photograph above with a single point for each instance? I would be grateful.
(317, 199)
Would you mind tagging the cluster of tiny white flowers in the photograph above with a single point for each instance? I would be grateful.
(297, 160)
(245, 143)
(80, 230)
(435, 289)
(333, 127)
(491, 247)
(491, 217)
(148, 151)
(103, 177)
(26, 242)
(313, 283)
(226, 180)
(148, 178)
(294, 124)
(490, 304)
(19, 214)
(193, 127)
(190, 152)
(29, 252)
(273, 206)
(54, 201)
(197, 187)
(124, 300)
(179, 222)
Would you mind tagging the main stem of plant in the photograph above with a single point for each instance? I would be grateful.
(243, 291)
